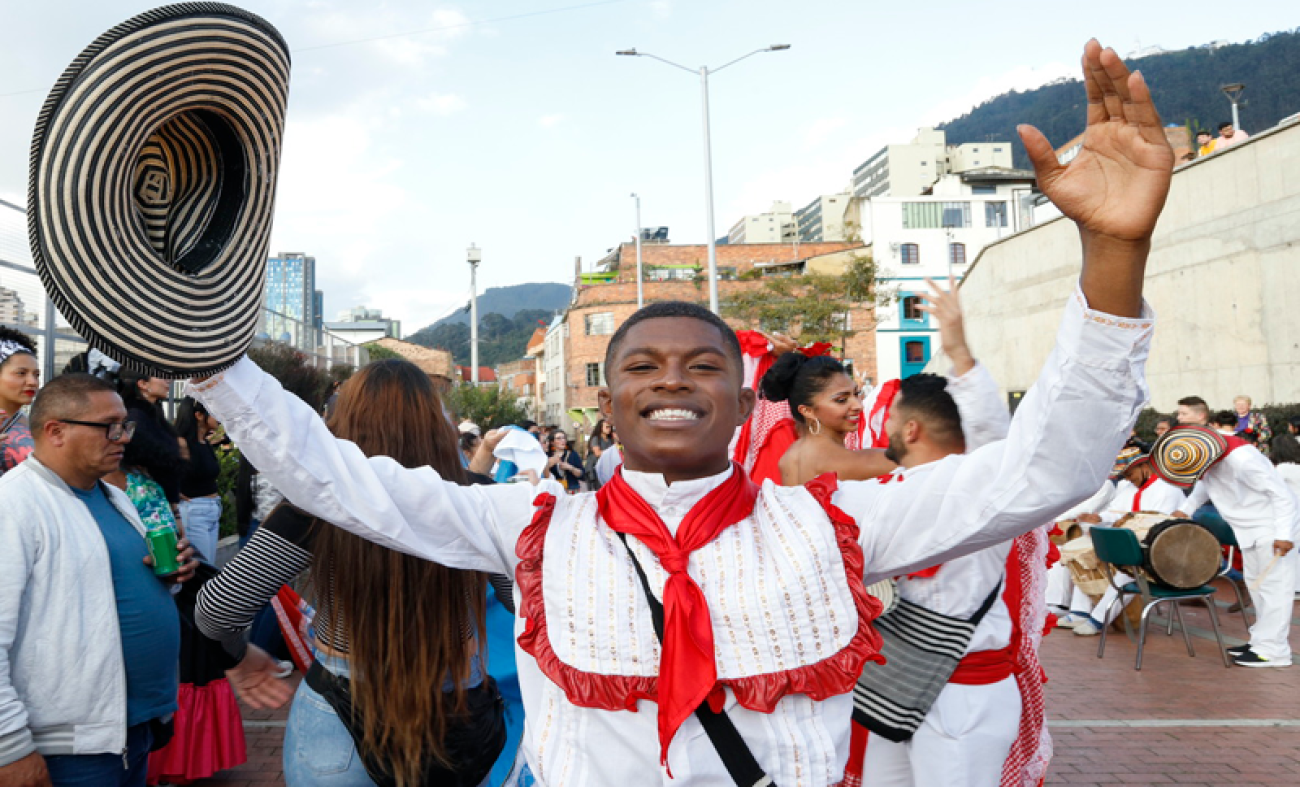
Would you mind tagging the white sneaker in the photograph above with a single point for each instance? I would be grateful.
(1069, 620)
(1086, 629)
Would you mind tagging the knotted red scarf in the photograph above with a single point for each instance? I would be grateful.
(687, 672)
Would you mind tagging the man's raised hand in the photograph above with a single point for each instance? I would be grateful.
(1117, 184)
(1115, 188)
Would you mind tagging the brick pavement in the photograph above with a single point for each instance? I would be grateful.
(1181, 721)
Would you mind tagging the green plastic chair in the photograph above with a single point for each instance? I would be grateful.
(1118, 547)
(1210, 519)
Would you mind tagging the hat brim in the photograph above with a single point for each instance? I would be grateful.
(193, 92)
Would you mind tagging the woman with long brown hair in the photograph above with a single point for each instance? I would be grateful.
(398, 693)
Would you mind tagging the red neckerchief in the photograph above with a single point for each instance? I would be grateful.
(687, 672)
(1137, 499)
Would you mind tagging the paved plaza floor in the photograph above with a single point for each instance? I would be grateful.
(1179, 721)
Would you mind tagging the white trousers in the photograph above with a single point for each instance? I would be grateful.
(1273, 600)
(1081, 601)
(963, 741)
(1060, 587)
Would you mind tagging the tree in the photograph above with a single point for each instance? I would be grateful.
(379, 352)
(813, 307)
(489, 406)
(292, 369)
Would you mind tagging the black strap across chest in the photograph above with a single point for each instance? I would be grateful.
(736, 756)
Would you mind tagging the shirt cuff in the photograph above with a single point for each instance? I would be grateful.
(1104, 340)
(970, 379)
(231, 391)
(15, 745)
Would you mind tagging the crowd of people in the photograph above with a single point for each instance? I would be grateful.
(687, 603)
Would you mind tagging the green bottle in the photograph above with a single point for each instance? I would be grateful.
(162, 547)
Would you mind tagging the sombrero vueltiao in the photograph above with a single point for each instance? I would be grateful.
(152, 184)
(1128, 457)
(1182, 455)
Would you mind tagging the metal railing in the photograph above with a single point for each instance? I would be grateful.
(24, 306)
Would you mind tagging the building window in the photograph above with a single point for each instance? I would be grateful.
(911, 309)
(956, 214)
(842, 322)
(595, 375)
(600, 323)
(997, 150)
(995, 214)
(911, 253)
(914, 352)
(956, 253)
(985, 189)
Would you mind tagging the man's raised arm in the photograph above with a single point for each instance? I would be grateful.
(1069, 427)
(410, 510)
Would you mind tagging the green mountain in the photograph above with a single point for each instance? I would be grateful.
(508, 316)
(1185, 85)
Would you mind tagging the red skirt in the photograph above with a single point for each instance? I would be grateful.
(209, 735)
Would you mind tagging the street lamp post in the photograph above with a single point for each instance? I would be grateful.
(704, 72)
(640, 294)
(1233, 92)
(475, 256)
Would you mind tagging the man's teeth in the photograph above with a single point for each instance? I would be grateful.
(673, 415)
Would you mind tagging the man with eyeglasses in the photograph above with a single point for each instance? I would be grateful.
(89, 636)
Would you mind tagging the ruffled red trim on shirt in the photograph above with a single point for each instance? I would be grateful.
(832, 676)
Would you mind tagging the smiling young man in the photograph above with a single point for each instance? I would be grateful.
(765, 614)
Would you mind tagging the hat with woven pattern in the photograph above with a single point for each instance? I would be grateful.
(1183, 454)
(153, 175)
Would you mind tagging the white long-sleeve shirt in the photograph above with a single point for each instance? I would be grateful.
(1061, 443)
(1250, 496)
(1159, 496)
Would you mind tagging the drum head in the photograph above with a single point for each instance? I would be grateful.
(1182, 554)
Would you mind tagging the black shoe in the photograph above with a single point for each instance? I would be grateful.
(1238, 650)
(1252, 659)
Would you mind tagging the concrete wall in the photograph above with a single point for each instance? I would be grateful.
(1224, 278)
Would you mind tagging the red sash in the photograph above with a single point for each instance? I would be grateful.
(687, 671)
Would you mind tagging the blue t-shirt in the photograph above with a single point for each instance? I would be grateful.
(146, 615)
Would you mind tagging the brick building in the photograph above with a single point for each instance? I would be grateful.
(678, 272)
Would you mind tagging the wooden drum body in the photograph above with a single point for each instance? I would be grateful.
(1176, 552)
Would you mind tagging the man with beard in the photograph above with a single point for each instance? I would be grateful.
(961, 736)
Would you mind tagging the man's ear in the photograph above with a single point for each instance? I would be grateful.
(748, 400)
(605, 403)
(913, 431)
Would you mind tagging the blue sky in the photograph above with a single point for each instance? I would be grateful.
(511, 123)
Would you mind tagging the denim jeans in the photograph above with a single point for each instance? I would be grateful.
(105, 770)
(202, 520)
(318, 749)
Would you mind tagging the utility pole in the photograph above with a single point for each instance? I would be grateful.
(475, 256)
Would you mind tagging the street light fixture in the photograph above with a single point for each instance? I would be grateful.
(1233, 92)
(474, 255)
(704, 72)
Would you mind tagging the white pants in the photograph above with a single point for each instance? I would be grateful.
(1081, 601)
(1060, 587)
(1270, 636)
(963, 741)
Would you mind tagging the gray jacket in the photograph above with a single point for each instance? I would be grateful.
(62, 678)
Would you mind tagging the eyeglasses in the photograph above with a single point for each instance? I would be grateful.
(114, 430)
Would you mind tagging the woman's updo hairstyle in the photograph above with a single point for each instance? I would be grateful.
(796, 378)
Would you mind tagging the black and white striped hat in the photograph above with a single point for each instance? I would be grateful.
(152, 185)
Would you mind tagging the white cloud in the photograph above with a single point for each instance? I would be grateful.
(662, 9)
(550, 121)
(440, 104)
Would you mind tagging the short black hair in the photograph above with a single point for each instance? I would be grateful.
(1285, 449)
(527, 424)
(1193, 401)
(1224, 418)
(1225, 124)
(674, 309)
(926, 396)
(796, 378)
(65, 397)
(1167, 419)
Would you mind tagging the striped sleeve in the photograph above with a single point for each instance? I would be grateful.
(274, 556)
